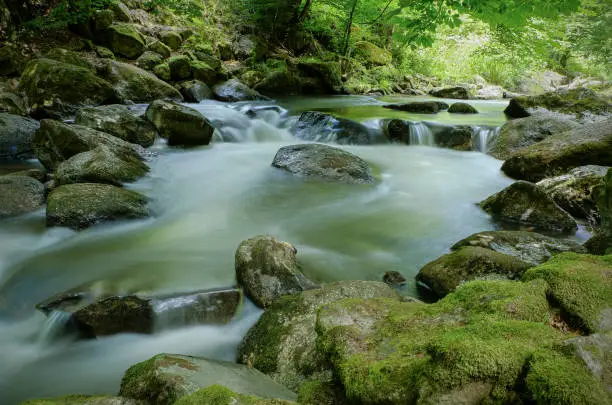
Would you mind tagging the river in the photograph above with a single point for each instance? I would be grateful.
(205, 201)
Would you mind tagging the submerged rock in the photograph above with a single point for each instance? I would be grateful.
(321, 127)
(118, 121)
(462, 108)
(267, 269)
(20, 195)
(421, 107)
(113, 315)
(79, 206)
(445, 274)
(137, 85)
(233, 90)
(581, 285)
(559, 153)
(100, 165)
(574, 192)
(528, 247)
(525, 204)
(456, 92)
(282, 343)
(324, 162)
(580, 102)
(181, 125)
(55, 142)
(167, 378)
(397, 131)
(56, 89)
(16, 134)
(522, 132)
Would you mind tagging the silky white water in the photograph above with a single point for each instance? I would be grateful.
(204, 202)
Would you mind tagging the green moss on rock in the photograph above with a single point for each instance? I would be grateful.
(372, 54)
(124, 40)
(162, 71)
(83, 400)
(219, 395)
(582, 286)
(180, 67)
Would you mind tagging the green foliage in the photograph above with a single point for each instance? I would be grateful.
(187, 8)
(68, 12)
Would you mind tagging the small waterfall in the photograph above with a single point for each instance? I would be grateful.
(420, 134)
(55, 326)
(484, 136)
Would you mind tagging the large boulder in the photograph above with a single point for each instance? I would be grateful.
(172, 39)
(83, 400)
(79, 206)
(462, 108)
(180, 67)
(113, 315)
(16, 134)
(70, 57)
(321, 77)
(581, 103)
(137, 85)
(159, 48)
(12, 103)
(371, 54)
(321, 127)
(559, 153)
(118, 121)
(574, 192)
(323, 162)
(149, 60)
(528, 247)
(181, 125)
(458, 137)
(56, 89)
(282, 344)
(522, 132)
(204, 72)
(396, 130)
(421, 107)
(233, 90)
(488, 342)
(525, 204)
(195, 91)
(124, 40)
(267, 269)
(20, 195)
(55, 142)
(445, 274)
(100, 165)
(582, 287)
(167, 378)
(456, 92)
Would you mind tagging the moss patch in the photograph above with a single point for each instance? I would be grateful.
(218, 395)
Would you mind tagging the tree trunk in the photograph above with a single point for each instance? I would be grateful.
(349, 26)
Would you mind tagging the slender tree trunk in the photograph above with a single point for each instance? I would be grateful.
(349, 26)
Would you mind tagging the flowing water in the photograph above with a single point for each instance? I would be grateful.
(205, 201)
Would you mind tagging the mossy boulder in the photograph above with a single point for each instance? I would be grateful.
(280, 82)
(282, 343)
(55, 142)
(445, 274)
(371, 54)
(57, 89)
(162, 71)
(396, 130)
(204, 72)
(575, 191)
(462, 108)
(137, 85)
(473, 346)
(455, 92)
(100, 165)
(528, 247)
(16, 134)
(181, 125)
(582, 286)
(233, 90)
(104, 52)
(121, 11)
(180, 67)
(195, 91)
(604, 203)
(267, 269)
(420, 107)
(322, 127)
(525, 204)
(149, 60)
(326, 76)
(70, 57)
(100, 20)
(167, 378)
(559, 153)
(580, 102)
(12, 103)
(219, 395)
(159, 48)
(172, 39)
(457, 137)
(119, 121)
(20, 195)
(83, 400)
(124, 40)
(522, 132)
(79, 206)
(323, 162)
